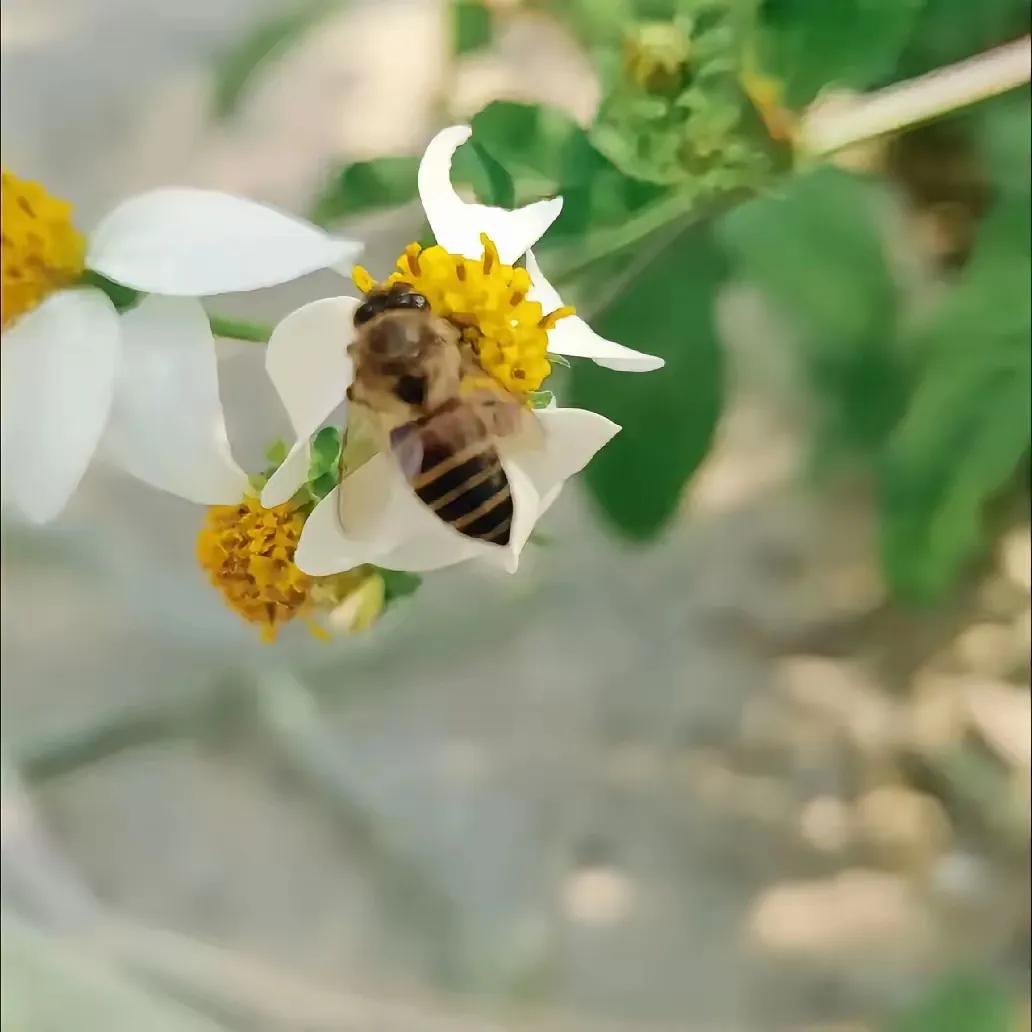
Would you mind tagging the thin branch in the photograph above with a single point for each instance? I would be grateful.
(827, 128)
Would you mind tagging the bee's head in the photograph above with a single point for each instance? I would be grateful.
(397, 297)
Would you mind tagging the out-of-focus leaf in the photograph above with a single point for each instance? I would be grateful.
(1004, 130)
(491, 181)
(816, 252)
(367, 186)
(547, 153)
(668, 416)
(264, 42)
(967, 428)
(853, 43)
(950, 30)
(471, 26)
(961, 1003)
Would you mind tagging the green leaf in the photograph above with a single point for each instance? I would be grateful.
(489, 178)
(967, 429)
(960, 1003)
(853, 43)
(319, 487)
(540, 399)
(367, 186)
(547, 153)
(398, 584)
(265, 42)
(324, 452)
(1003, 129)
(668, 417)
(471, 26)
(950, 30)
(816, 252)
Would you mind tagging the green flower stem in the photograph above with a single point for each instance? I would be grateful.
(240, 329)
(828, 128)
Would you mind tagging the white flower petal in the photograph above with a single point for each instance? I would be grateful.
(186, 241)
(307, 360)
(57, 365)
(374, 516)
(571, 437)
(457, 225)
(354, 523)
(289, 476)
(167, 427)
(574, 337)
(527, 510)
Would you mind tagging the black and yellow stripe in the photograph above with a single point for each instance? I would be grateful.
(467, 489)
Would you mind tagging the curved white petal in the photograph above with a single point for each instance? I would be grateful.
(192, 242)
(457, 225)
(289, 476)
(57, 365)
(374, 516)
(354, 523)
(167, 427)
(570, 439)
(574, 337)
(307, 360)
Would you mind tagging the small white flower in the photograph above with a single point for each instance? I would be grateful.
(374, 516)
(74, 370)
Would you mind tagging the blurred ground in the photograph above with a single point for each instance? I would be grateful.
(718, 784)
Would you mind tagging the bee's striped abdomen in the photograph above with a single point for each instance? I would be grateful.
(466, 488)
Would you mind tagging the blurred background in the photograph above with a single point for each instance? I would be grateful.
(760, 761)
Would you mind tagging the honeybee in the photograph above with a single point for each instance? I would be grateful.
(440, 412)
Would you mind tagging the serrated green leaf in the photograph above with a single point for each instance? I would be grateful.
(398, 584)
(850, 43)
(263, 43)
(668, 416)
(471, 26)
(547, 153)
(324, 453)
(367, 186)
(319, 487)
(960, 1003)
(816, 252)
(967, 428)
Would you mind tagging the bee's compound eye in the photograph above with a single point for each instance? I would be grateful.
(373, 305)
(410, 299)
(411, 389)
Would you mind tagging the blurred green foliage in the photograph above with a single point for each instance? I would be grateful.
(959, 1003)
(686, 179)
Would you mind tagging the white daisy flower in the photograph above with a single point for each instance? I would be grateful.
(511, 317)
(73, 367)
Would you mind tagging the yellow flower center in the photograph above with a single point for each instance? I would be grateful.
(248, 553)
(487, 300)
(42, 250)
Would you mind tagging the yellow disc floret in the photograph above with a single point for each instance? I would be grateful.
(42, 250)
(487, 300)
(248, 553)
